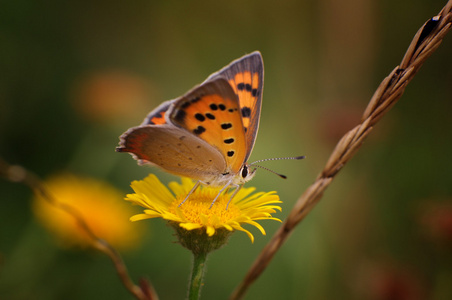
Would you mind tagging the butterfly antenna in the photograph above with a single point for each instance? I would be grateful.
(276, 158)
(280, 175)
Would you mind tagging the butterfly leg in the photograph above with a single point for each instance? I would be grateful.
(237, 189)
(219, 193)
(191, 192)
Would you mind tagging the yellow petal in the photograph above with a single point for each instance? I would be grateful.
(196, 212)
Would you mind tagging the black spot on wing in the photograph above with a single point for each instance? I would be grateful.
(229, 141)
(194, 100)
(180, 115)
(221, 107)
(246, 112)
(230, 153)
(210, 116)
(200, 117)
(190, 102)
(226, 126)
(213, 106)
(242, 86)
(198, 130)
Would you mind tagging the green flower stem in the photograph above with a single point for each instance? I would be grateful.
(200, 244)
(199, 263)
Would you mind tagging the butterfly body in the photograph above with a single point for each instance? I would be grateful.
(208, 133)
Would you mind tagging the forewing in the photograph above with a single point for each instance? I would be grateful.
(246, 77)
(212, 112)
(173, 149)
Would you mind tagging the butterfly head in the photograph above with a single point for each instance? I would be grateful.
(246, 173)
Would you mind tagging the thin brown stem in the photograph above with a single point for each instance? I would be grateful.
(19, 174)
(425, 42)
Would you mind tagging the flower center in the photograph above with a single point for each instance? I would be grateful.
(197, 208)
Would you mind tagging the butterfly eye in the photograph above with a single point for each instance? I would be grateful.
(244, 171)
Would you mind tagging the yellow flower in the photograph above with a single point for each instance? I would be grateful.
(98, 203)
(195, 213)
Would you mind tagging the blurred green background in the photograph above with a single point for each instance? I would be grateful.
(74, 75)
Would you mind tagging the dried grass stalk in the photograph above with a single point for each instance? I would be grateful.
(425, 42)
(145, 291)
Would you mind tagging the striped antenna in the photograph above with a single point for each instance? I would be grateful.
(276, 158)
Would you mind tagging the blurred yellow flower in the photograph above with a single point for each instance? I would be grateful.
(195, 213)
(99, 204)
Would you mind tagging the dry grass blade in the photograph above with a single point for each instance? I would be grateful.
(21, 175)
(378, 95)
(425, 42)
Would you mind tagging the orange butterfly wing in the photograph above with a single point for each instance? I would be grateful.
(246, 77)
(157, 116)
(223, 112)
(212, 112)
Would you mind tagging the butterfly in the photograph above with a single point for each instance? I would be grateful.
(207, 134)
